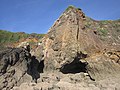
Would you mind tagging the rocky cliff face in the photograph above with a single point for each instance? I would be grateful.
(76, 43)
(13, 67)
(77, 53)
(17, 66)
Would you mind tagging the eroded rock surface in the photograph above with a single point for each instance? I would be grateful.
(71, 47)
(17, 66)
(77, 53)
(14, 64)
(78, 81)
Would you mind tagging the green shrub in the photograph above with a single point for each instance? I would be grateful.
(9, 37)
(103, 31)
(70, 7)
(118, 30)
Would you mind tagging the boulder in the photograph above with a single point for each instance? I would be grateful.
(14, 65)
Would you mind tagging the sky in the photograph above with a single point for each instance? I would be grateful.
(37, 16)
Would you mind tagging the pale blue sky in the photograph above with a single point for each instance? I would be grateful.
(38, 15)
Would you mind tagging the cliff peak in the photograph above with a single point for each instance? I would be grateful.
(71, 15)
(71, 7)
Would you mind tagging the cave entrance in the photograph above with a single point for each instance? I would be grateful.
(76, 66)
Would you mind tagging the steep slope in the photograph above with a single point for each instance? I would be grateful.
(76, 43)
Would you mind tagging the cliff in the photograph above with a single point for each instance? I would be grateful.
(76, 43)
(77, 53)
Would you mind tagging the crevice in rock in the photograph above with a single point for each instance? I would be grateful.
(35, 68)
(41, 67)
(78, 28)
(95, 32)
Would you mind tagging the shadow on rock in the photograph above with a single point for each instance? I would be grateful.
(35, 68)
(41, 67)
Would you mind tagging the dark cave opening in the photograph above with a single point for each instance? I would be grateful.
(76, 66)
(40, 66)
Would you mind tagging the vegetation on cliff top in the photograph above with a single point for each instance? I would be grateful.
(8, 38)
(105, 29)
(71, 7)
